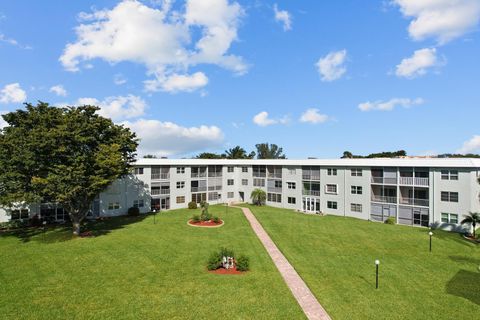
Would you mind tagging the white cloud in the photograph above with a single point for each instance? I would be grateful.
(177, 82)
(470, 146)
(262, 119)
(119, 107)
(59, 90)
(3, 123)
(313, 116)
(443, 20)
(119, 79)
(418, 64)
(390, 104)
(13, 42)
(159, 38)
(167, 138)
(12, 93)
(283, 17)
(331, 67)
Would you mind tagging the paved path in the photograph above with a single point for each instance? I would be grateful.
(307, 301)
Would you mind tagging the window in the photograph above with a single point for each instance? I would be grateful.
(19, 214)
(230, 182)
(356, 207)
(291, 185)
(274, 197)
(199, 197)
(244, 169)
(449, 174)
(357, 190)
(244, 182)
(332, 172)
(229, 195)
(331, 204)
(278, 184)
(180, 184)
(181, 199)
(138, 203)
(180, 170)
(229, 169)
(291, 200)
(356, 172)
(331, 188)
(449, 218)
(449, 196)
(259, 182)
(113, 205)
(138, 171)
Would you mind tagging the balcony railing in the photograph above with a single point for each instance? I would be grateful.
(275, 175)
(414, 181)
(273, 189)
(259, 174)
(307, 176)
(214, 174)
(384, 199)
(315, 193)
(199, 175)
(160, 176)
(156, 192)
(199, 189)
(382, 180)
(415, 202)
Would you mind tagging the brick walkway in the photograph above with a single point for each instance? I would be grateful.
(307, 301)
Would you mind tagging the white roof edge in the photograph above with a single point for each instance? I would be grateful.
(371, 162)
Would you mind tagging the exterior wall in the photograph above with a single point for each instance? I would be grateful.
(363, 199)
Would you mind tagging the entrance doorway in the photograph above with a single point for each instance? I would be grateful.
(311, 205)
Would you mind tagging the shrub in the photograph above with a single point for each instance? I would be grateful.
(216, 219)
(195, 218)
(192, 205)
(243, 263)
(390, 220)
(205, 216)
(133, 211)
(215, 261)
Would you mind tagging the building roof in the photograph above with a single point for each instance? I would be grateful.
(375, 162)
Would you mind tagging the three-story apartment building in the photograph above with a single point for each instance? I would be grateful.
(415, 191)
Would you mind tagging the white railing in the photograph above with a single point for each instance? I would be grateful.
(156, 192)
(275, 175)
(414, 181)
(415, 202)
(214, 174)
(259, 174)
(199, 175)
(384, 199)
(160, 176)
(382, 180)
(310, 177)
(315, 193)
(199, 189)
(273, 189)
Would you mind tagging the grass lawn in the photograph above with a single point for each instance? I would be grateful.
(335, 257)
(134, 269)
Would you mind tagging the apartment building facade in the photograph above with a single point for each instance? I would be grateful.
(417, 192)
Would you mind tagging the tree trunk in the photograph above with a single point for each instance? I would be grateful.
(76, 228)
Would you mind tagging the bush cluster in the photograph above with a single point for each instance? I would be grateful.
(215, 260)
(192, 205)
(133, 211)
(242, 263)
(14, 224)
(216, 219)
(390, 220)
(196, 218)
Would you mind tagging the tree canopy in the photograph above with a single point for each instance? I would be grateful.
(61, 155)
(269, 151)
(238, 153)
(387, 154)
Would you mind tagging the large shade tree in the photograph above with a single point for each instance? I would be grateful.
(61, 155)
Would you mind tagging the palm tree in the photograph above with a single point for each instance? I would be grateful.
(238, 153)
(269, 151)
(472, 218)
(258, 197)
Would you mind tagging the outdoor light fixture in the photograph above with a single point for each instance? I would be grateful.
(377, 262)
(430, 234)
(154, 216)
(44, 228)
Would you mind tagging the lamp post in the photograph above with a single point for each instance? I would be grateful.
(44, 228)
(154, 216)
(430, 234)
(377, 262)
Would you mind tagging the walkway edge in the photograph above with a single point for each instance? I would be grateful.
(305, 298)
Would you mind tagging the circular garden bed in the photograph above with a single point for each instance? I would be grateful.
(205, 224)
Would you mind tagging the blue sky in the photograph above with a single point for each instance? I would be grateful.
(315, 77)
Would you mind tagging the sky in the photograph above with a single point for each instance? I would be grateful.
(314, 77)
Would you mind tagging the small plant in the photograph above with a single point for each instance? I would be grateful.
(390, 220)
(216, 219)
(205, 216)
(192, 205)
(215, 261)
(133, 211)
(243, 263)
(195, 218)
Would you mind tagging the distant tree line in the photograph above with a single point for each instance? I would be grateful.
(264, 151)
(388, 154)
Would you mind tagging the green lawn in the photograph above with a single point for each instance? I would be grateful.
(136, 270)
(335, 257)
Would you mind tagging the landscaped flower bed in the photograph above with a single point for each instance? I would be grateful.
(224, 262)
(205, 219)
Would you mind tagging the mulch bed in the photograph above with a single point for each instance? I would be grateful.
(86, 234)
(207, 224)
(226, 271)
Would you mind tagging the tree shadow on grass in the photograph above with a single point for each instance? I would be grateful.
(464, 259)
(465, 285)
(60, 233)
(449, 235)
